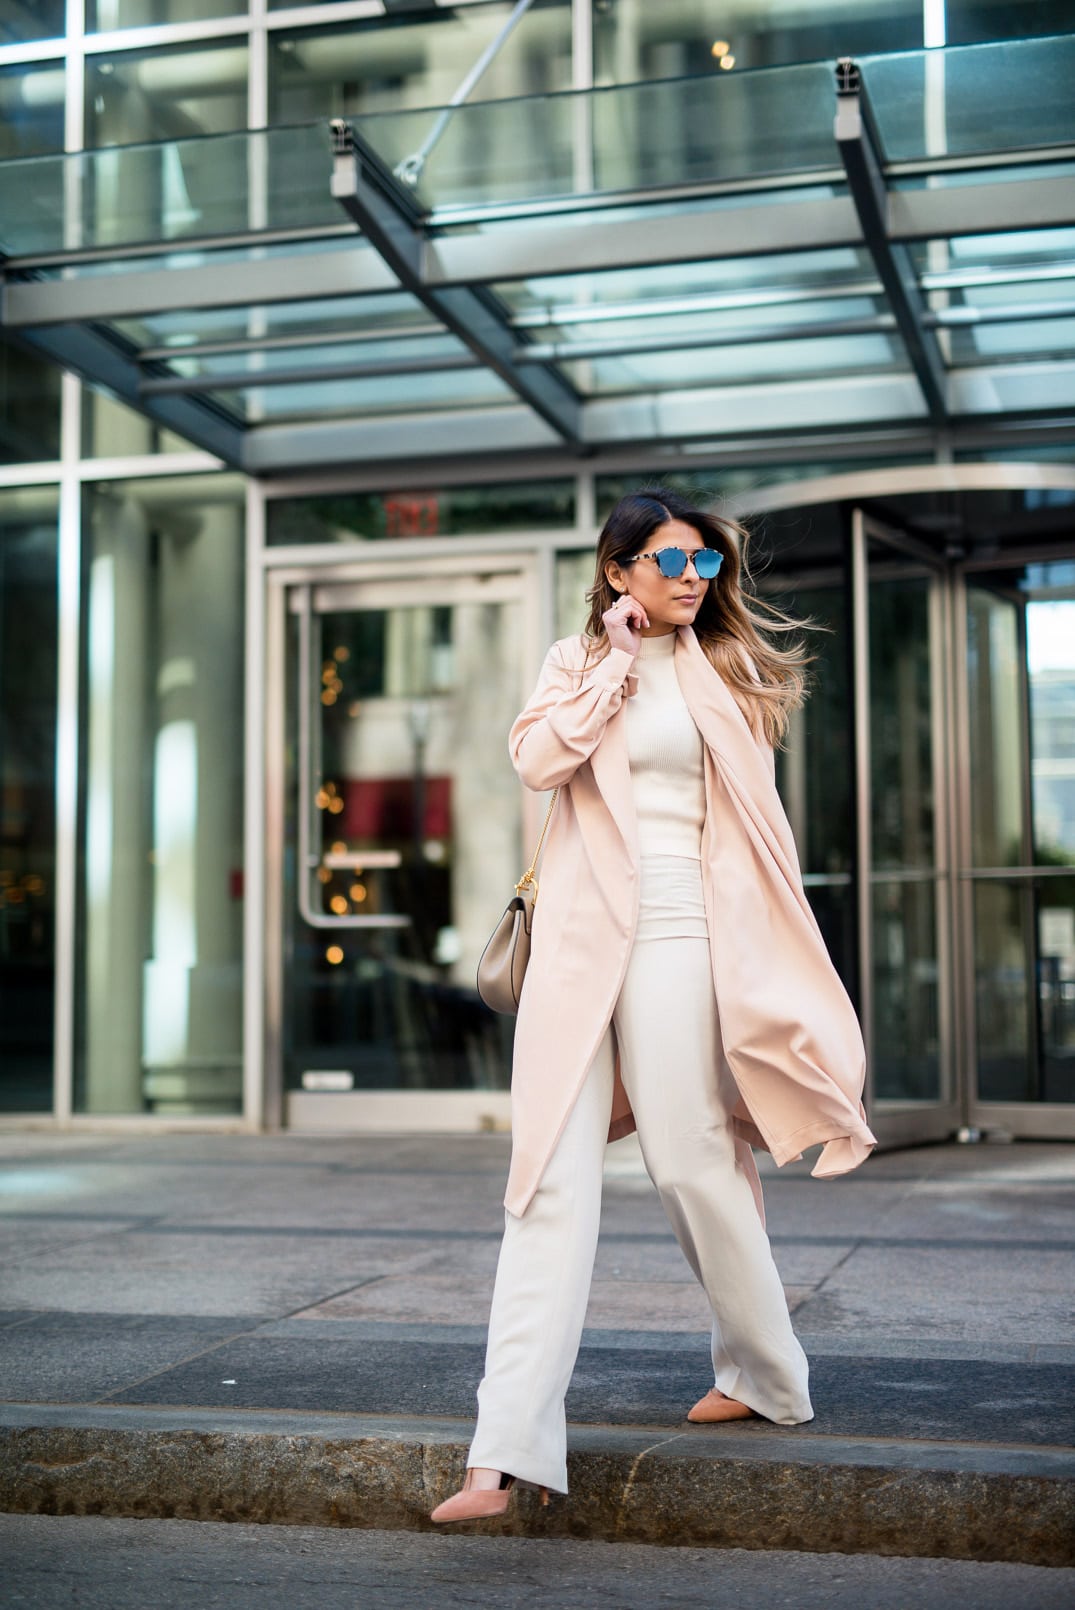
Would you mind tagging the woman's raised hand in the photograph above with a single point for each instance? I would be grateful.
(624, 623)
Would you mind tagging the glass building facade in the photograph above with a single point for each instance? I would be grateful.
(330, 332)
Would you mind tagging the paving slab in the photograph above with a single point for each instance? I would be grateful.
(898, 1290)
(77, 1358)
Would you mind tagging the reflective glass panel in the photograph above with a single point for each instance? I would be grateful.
(1021, 665)
(970, 22)
(996, 97)
(1055, 935)
(906, 1035)
(416, 59)
(166, 94)
(408, 827)
(28, 648)
(229, 328)
(104, 15)
(901, 736)
(997, 716)
(29, 407)
(747, 288)
(715, 324)
(384, 395)
(112, 430)
(692, 36)
(160, 949)
(1025, 1045)
(183, 189)
(40, 19)
(425, 348)
(1031, 340)
(31, 109)
(675, 132)
(725, 126)
(758, 361)
(906, 1041)
(422, 512)
(1050, 658)
(1003, 991)
(1034, 256)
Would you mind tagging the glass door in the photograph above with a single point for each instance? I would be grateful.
(903, 796)
(395, 832)
(1017, 872)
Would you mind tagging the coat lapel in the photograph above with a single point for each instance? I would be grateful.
(612, 773)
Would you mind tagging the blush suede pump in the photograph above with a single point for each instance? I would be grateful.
(480, 1503)
(715, 1407)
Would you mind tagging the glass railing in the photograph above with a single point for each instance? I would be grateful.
(767, 127)
(974, 99)
(205, 187)
(763, 124)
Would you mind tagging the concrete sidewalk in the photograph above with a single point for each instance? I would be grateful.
(290, 1329)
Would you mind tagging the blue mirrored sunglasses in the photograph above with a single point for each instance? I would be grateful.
(672, 562)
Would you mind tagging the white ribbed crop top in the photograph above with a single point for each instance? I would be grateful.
(665, 750)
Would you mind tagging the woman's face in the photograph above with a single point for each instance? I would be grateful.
(668, 601)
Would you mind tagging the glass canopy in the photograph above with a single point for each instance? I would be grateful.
(883, 247)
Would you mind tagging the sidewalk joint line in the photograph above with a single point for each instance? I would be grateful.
(202, 1352)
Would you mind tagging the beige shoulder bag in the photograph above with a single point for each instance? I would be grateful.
(502, 967)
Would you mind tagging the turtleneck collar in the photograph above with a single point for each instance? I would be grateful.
(658, 648)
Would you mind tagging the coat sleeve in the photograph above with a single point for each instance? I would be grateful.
(565, 717)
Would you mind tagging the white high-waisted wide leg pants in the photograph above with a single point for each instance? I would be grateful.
(665, 1025)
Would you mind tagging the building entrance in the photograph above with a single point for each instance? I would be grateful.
(395, 825)
(931, 787)
(1016, 830)
(965, 774)
(902, 724)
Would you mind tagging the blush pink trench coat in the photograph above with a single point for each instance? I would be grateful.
(789, 1031)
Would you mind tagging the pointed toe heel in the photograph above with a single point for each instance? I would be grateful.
(480, 1503)
(715, 1408)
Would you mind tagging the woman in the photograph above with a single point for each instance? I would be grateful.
(678, 984)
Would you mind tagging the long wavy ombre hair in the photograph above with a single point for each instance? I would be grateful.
(733, 625)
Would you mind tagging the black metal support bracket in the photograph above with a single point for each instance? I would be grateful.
(386, 213)
(102, 361)
(859, 145)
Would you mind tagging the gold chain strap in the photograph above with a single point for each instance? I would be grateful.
(528, 877)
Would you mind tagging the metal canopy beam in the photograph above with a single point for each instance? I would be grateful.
(532, 250)
(344, 472)
(304, 375)
(385, 213)
(536, 250)
(859, 149)
(104, 362)
(670, 427)
(383, 439)
(748, 335)
(279, 277)
(983, 208)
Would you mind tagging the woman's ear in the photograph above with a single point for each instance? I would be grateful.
(615, 577)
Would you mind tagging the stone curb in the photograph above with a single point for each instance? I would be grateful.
(834, 1495)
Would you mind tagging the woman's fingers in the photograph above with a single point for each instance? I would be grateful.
(624, 622)
(626, 609)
